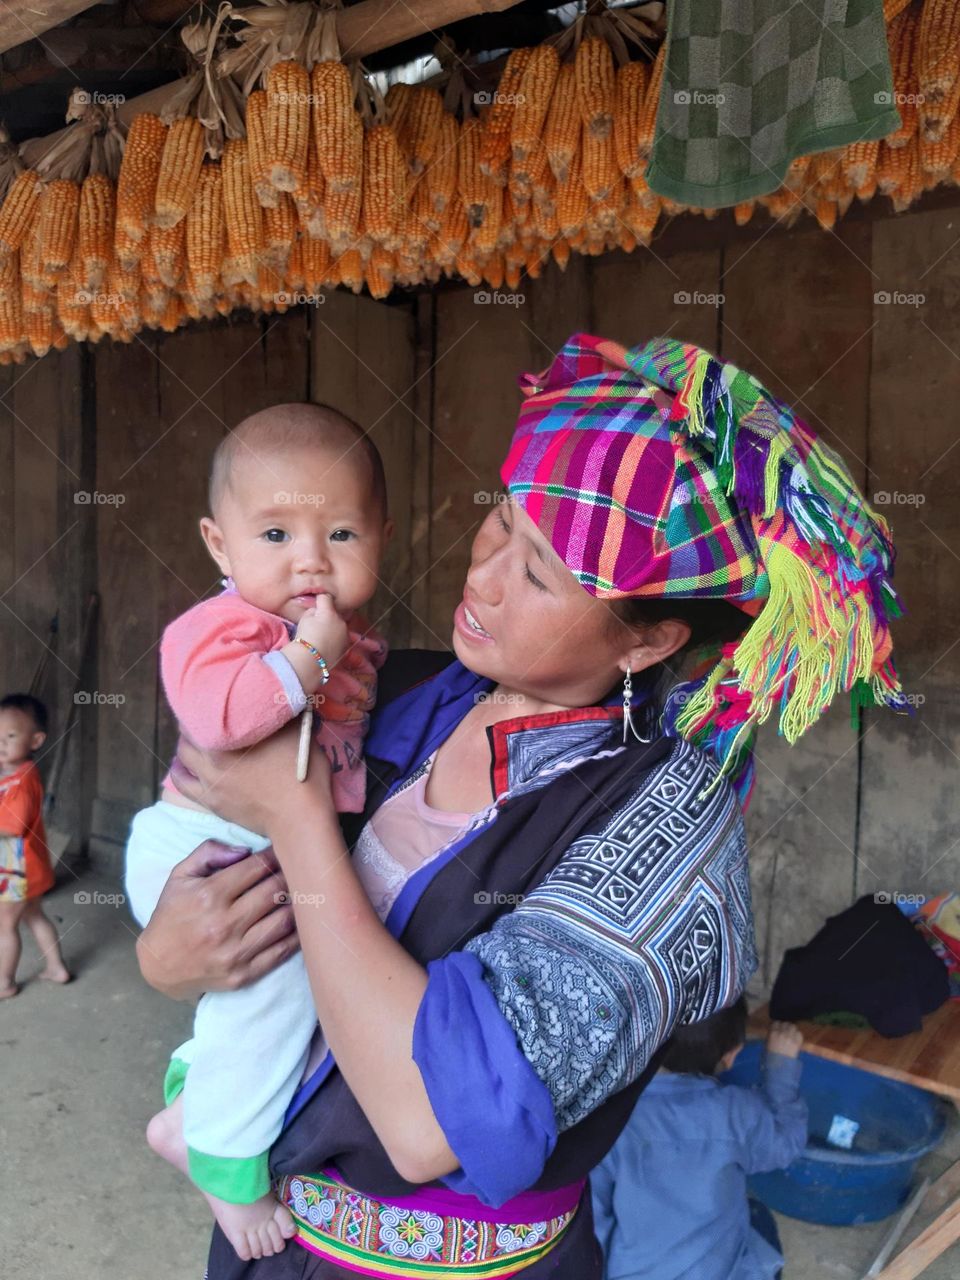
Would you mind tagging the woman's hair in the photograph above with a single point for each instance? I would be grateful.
(712, 623)
(696, 1049)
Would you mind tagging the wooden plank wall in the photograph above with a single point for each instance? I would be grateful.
(836, 815)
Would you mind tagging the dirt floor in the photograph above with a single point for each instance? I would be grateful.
(87, 1200)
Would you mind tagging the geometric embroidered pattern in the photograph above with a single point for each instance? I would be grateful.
(643, 925)
(363, 1234)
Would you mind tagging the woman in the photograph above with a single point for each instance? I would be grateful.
(564, 892)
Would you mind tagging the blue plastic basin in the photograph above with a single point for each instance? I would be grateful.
(898, 1125)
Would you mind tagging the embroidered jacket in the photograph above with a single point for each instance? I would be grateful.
(599, 902)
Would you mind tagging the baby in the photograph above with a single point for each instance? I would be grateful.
(298, 526)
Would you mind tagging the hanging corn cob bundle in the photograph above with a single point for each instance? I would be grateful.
(277, 168)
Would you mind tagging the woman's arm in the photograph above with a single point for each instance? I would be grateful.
(217, 926)
(367, 988)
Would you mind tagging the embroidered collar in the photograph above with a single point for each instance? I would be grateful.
(523, 748)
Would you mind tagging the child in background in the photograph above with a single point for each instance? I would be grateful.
(26, 870)
(299, 524)
(670, 1199)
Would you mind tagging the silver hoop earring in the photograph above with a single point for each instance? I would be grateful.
(627, 714)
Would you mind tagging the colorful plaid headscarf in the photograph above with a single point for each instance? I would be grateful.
(659, 471)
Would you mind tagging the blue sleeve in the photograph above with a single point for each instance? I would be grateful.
(564, 1000)
(494, 1110)
(770, 1124)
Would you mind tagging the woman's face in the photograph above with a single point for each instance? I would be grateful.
(526, 622)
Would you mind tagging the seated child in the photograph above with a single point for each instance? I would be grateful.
(298, 527)
(26, 870)
(670, 1198)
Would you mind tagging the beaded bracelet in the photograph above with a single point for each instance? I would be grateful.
(320, 661)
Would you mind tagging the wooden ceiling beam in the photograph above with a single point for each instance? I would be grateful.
(362, 29)
(22, 20)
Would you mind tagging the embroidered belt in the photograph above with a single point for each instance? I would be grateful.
(376, 1238)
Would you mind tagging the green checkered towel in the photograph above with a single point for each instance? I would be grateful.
(748, 85)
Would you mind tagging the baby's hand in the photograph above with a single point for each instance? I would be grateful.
(325, 630)
(785, 1038)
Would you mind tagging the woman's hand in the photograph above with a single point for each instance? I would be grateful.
(221, 922)
(255, 786)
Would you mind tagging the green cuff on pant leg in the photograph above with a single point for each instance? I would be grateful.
(174, 1079)
(236, 1179)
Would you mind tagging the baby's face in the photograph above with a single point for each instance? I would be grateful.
(298, 525)
(19, 737)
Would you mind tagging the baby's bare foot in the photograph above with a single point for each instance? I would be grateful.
(56, 974)
(8, 991)
(257, 1230)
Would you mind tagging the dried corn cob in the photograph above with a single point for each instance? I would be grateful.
(484, 237)
(279, 231)
(95, 230)
(378, 272)
(384, 184)
(938, 49)
(19, 209)
(337, 130)
(317, 264)
(646, 126)
(179, 170)
(206, 231)
(309, 197)
(497, 120)
(892, 164)
(11, 307)
(631, 88)
(858, 160)
(137, 180)
(242, 212)
(743, 212)
(561, 132)
(423, 121)
(902, 43)
(126, 250)
(288, 125)
(442, 171)
(937, 157)
(476, 188)
(350, 269)
(600, 172)
(596, 86)
(534, 95)
(891, 9)
(910, 186)
(167, 245)
(572, 199)
(59, 213)
(256, 122)
(39, 329)
(935, 116)
(342, 214)
(561, 252)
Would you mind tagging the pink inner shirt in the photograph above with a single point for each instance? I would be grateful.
(403, 835)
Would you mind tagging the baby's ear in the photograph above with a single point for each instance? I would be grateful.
(389, 527)
(214, 542)
(38, 739)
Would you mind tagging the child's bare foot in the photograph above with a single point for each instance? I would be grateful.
(55, 973)
(257, 1230)
(11, 989)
